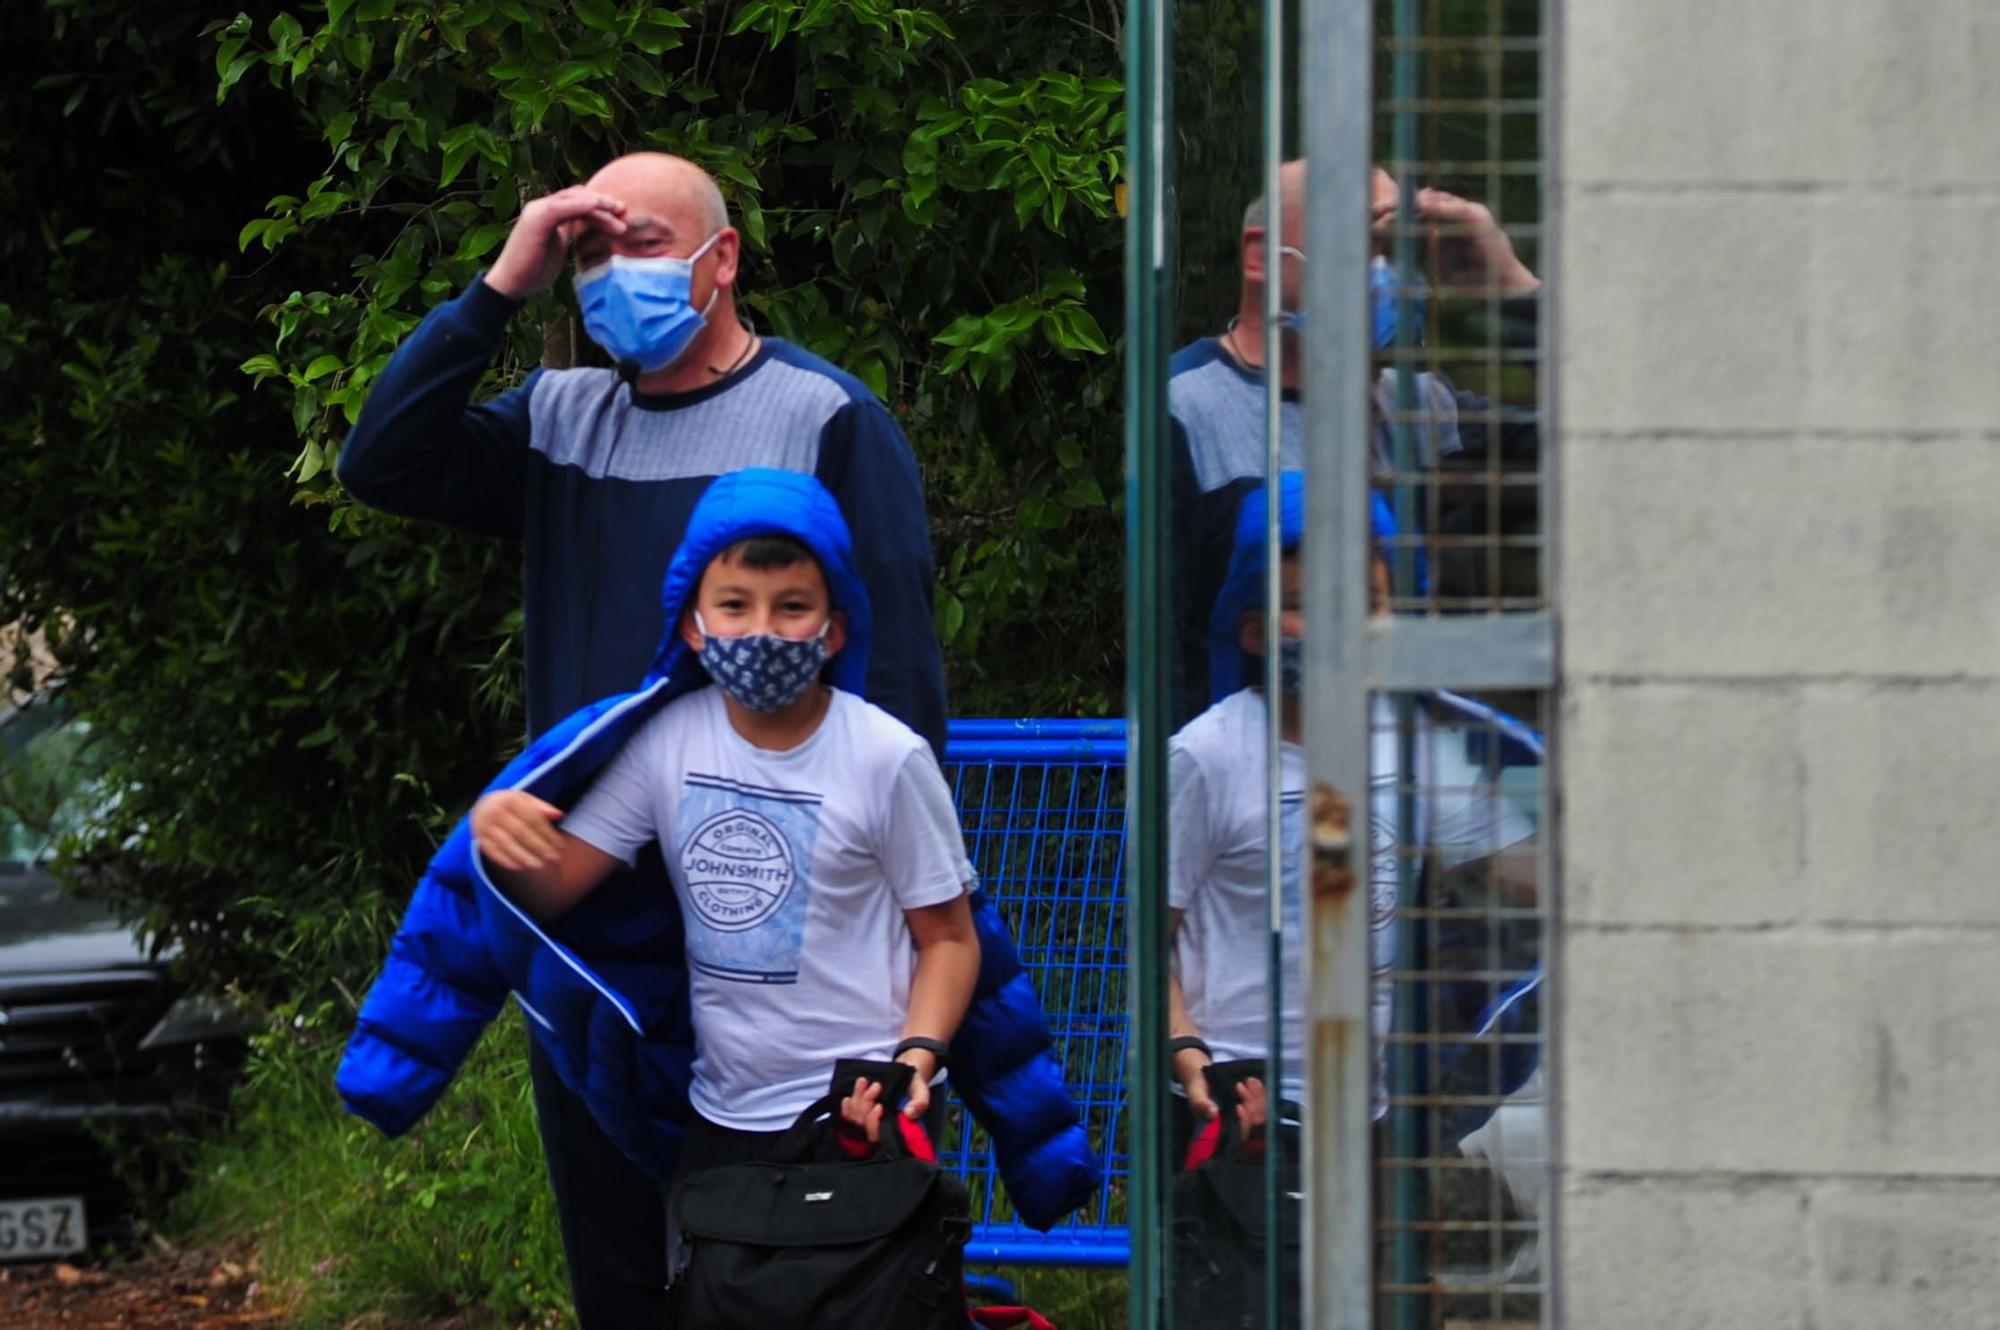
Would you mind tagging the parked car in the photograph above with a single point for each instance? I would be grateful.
(101, 1049)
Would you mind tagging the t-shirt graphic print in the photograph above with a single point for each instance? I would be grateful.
(747, 860)
(793, 870)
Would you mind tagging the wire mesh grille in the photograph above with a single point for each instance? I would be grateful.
(1460, 110)
(1462, 1152)
(1042, 805)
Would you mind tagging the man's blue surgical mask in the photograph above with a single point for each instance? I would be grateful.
(1388, 297)
(763, 671)
(638, 308)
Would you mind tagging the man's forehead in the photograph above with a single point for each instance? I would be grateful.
(659, 183)
(642, 222)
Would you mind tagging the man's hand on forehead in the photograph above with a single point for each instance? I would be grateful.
(541, 238)
(606, 214)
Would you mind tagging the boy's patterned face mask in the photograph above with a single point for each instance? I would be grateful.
(763, 671)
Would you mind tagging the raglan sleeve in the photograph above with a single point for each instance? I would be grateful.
(867, 464)
(921, 848)
(422, 448)
(1191, 842)
(618, 814)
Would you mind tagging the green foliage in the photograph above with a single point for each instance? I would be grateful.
(927, 194)
(455, 1216)
(295, 692)
(222, 223)
(280, 711)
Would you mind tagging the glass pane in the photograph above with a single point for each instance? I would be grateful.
(1458, 782)
(1236, 782)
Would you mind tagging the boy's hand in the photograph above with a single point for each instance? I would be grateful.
(1189, 1064)
(863, 1108)
(516, 830)
(924, 1064)
(1251, 1106)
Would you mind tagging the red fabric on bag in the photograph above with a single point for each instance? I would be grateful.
(1010, 1318)
(1202, 1148)
(854, 1141)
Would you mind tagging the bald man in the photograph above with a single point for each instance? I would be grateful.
(1215, 396)
(596, 471)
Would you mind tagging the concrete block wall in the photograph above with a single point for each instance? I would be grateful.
(1778, 306)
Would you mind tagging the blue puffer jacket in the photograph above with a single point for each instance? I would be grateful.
(605, 988)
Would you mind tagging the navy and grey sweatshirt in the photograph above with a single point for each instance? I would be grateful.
(1217, 412)
(597, 480)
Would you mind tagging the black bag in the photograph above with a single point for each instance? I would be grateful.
(807, 1239)
(1220, 1224)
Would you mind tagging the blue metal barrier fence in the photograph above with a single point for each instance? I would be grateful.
(1042, 803)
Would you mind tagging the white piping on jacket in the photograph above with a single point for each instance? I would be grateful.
(1520, 731)
(479, 864)
(528, 1007)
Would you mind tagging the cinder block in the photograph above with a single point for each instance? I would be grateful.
(1683, 1255)
(1682, 312)
(1902, 815)
(1780, 1052)
(1683, 805)
(1918, 1255)
(1843, 803)
(1743, 558)
(1717, 90)
(1900, 327)
(1774, 312)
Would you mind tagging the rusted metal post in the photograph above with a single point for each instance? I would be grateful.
(1338, 1240)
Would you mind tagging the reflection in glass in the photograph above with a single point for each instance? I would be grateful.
(1458, 451)
(1238, 1114)
(1453, 454)
(1234, 927)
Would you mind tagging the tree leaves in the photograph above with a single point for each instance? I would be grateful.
(309, 687)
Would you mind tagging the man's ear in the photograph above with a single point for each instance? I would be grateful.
(836, 632)
(690, 634)
(1250, 632)
(728, 254)
(1252, 249)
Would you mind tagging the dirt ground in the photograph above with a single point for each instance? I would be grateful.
(165, 1289)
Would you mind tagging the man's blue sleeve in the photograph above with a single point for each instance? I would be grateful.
(421, 449)
(867, 464)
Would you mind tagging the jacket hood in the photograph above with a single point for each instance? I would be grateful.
(1229, 669)
(762, 501)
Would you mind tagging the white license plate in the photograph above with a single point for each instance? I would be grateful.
(30, 1230)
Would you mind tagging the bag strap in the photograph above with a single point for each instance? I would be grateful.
(796, 1145)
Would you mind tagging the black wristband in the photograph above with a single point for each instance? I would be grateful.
(937, 1048)
(1180, 1044)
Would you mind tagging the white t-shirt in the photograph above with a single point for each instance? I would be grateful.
(793, 870)
(1216, 863)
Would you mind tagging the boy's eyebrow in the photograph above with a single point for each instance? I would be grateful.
(809, 585)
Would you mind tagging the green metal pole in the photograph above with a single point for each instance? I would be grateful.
(1149, 646)
(1407, 1193)
(1274, 819)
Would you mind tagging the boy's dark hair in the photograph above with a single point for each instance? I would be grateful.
(766, 553)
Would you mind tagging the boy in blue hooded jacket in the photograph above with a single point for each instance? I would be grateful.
(775, 837)
(1218, 916)
(812, 845)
